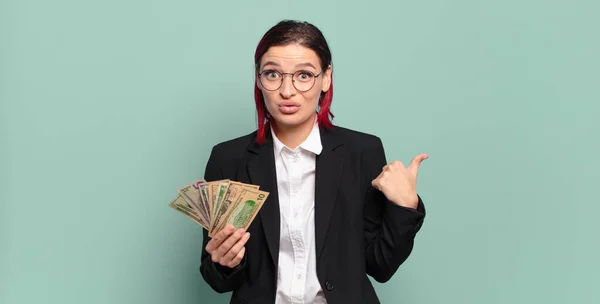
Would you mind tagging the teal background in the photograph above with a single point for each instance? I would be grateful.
(107, 107)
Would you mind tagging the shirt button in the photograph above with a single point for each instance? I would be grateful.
(299, 276)
(329, 286)
(295, 190)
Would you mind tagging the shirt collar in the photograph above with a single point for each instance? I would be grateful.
(312, 143)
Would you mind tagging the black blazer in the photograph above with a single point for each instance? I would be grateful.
(358, 232)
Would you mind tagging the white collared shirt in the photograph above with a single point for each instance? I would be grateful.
(297, 270)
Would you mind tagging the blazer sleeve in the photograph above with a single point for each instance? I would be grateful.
(389, 229)
(220, 278)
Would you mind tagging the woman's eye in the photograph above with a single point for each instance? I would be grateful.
(305, 75)
(272, 74)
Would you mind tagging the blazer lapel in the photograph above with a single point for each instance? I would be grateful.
(261, 171)
(328, 172)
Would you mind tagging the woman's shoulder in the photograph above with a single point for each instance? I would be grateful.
(353, 138)
(357, 139)
(230, 152)
(237, 143)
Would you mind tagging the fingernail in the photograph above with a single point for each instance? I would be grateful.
(240, 231)
(247, 234)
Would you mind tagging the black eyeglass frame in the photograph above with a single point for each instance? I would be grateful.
(293, 81)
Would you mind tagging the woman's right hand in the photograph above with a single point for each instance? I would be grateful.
(227, 248)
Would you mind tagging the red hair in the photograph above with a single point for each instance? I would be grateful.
(287, 32)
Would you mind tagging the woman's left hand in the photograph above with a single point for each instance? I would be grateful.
(399, 183)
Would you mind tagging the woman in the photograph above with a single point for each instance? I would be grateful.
(336, 212)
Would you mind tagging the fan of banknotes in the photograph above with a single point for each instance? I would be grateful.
(217, 204)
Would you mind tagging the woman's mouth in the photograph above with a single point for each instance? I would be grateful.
(289, 107)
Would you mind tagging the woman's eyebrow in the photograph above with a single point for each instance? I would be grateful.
(306, 64)
(271, 63)
(302, 64)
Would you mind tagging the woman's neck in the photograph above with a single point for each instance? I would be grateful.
(293, 136)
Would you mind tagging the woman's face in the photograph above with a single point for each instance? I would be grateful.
(289, 106)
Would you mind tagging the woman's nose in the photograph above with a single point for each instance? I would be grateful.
(287, 87)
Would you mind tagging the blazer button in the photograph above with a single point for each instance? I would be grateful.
(329, 286)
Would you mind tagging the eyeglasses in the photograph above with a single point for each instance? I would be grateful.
(272, 80)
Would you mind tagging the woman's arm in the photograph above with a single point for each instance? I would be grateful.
(220, 278)
(389, 229)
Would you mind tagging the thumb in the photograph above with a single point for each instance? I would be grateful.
(416, 162)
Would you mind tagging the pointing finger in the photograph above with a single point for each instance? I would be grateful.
(416, 162)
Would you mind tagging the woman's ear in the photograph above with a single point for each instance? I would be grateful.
(327, 79)
(257, 79)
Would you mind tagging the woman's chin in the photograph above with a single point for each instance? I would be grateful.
(291, 120)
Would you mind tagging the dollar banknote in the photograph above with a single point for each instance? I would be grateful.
(231, 193)
(213, 192)
(191, 194)
(203, 191)
(181, 205)
(243, 209)
(214, 205)
(221, 190)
